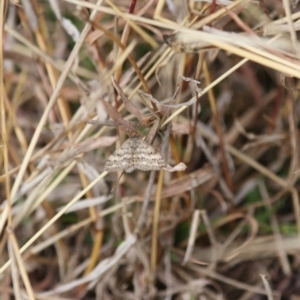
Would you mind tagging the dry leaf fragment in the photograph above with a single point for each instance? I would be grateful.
(205, 178)
(128, 104)
(123, 124)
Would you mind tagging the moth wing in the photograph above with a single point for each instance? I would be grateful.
(120, 160)
(145, 157)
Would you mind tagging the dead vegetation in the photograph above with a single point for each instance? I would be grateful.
(213, 86)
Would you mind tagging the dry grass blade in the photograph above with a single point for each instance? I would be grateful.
(192, 236)
(267, 286)
(220, 83)
(101, 268)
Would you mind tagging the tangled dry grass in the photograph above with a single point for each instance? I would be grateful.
(212, 84)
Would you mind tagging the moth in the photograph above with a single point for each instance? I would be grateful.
(135, 153)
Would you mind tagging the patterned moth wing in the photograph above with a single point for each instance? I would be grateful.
(121, 159)
(145, 157)
(135, 154)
